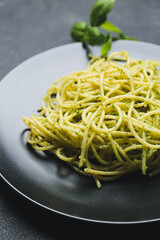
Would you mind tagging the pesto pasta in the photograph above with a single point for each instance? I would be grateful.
(104, 120)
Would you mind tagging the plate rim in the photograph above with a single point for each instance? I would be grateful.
(42, 205)
(74, 216)
(73, 44)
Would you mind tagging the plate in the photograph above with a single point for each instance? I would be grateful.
(44, 179)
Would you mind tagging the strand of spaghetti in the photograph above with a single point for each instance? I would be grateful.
(143, 126)
(89, 109)
(111, 91)
(133, 147)
(139, 139)
(78, 90)
(149, 114)
(144, 155)
(115, 148)
(102, 130)
(107, 173)
(131, 97)
(101, 83)
(87, 145)
(63, 157)
(123, 153)
(83, 146)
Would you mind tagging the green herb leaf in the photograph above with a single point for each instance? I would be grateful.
(78, 31)
(99, 11)
(106, 47)
(81, 32)
(108, 26)
(94, 36)
(125, 37)
(111, 27)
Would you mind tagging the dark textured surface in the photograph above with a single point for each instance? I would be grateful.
(28, 27)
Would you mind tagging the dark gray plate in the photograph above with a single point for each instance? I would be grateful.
(43, 178)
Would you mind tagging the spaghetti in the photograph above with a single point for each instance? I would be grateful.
(104, 120)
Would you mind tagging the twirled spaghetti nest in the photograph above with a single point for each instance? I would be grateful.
(104, 120)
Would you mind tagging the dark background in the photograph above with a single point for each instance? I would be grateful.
(28, 27)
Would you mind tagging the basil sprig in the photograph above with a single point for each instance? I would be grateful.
(92, 35)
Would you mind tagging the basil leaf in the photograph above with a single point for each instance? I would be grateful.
(125, 37)
(111, 27)
(106, 47)
(78, 31)
(99, 11)
(94, 36)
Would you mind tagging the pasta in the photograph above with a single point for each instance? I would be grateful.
(104, 121)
